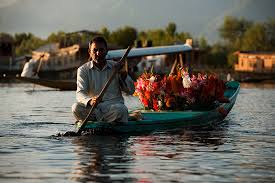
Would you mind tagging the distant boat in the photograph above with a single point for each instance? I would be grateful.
(57, 84)
(113, 54)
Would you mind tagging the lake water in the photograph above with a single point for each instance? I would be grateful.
(241, 149)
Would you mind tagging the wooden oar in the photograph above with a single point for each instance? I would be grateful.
(38, 68)
(40, 63)
(101, 94)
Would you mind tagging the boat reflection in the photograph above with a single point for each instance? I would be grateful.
(100, 158)
(121, 158)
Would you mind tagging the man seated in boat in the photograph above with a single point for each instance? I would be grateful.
(91, 78)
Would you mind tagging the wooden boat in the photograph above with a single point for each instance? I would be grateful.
(172, 119)
(58, 84)
(112, 54)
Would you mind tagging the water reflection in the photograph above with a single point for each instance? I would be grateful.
(101, 158)
(213, 136)
(117, 158)
(241, 149)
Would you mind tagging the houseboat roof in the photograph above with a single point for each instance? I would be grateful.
(255, 52)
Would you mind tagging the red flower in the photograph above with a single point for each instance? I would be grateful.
(155, 105)
(145, 102)
(202, 90)
(147, 95)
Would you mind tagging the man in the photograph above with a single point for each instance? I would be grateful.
(28, 70)
(91, 78)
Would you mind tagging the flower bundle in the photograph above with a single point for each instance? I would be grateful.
(179, 91)
(149, 88)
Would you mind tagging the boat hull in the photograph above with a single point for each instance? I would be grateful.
(165, 120)
(57, 84)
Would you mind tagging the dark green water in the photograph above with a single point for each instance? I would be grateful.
(242, 149)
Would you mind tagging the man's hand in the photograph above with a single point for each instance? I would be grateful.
(93, 100)
(123, 72)
(123, 75)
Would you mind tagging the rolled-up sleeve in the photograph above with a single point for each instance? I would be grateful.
(127, 85)
(82, 82)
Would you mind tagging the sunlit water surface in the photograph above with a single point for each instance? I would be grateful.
(241, 149)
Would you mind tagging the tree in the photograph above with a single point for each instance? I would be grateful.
(255, 39)
(28, 45)
(171, 29)
(182, 36)
(124, 36)
(203, 44)
(4, 35)
(217, 56)
(157, 36)
(56, 37)
(234, 29)
(142, 35)
(105, 33)
(270, 34)
(20, 37)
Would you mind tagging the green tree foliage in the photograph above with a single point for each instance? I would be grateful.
(182, 36)
(233, 29)
(171, 29)
(157, 36)
(270, 33)
(6, 36)
(255, 39)
(231, 59)
(217, 56)
(65, 39)
(124, 36)
(260, 37)
(28, 45)
(166, 36)
(20, 37)
(121, 37)
(203, 44)
(25, 43)
(105, 33)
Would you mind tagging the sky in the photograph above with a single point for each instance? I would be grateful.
(198, 17)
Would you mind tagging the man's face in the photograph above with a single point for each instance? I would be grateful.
(98, 52)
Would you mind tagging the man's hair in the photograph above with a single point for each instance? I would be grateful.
(98, 39)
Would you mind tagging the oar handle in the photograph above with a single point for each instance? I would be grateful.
(40, 64)
(101, 94)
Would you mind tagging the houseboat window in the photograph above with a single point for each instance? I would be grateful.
(65, 60)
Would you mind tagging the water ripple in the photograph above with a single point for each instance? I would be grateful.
(239, 150)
